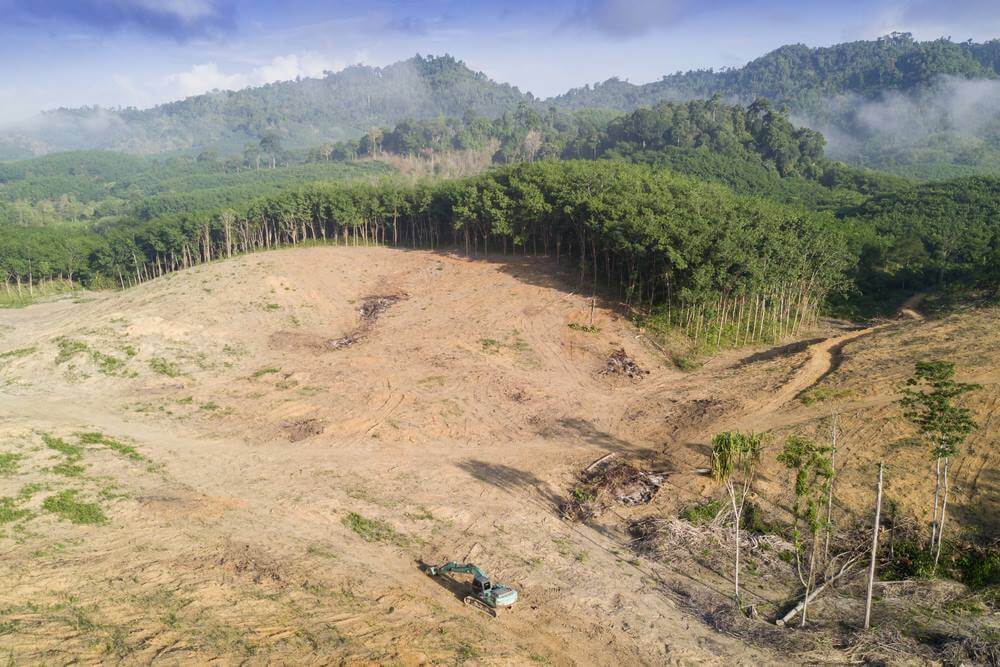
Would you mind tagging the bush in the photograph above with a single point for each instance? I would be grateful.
(980, 567)
(702, 514)
(910, 561)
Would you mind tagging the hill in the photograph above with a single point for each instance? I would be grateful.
(922, 109)
(303, 113)
(253, 458)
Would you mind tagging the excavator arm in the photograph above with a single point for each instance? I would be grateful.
(461, 568)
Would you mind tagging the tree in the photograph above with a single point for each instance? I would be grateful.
(813, 470)
(735, 456)
(929, 403)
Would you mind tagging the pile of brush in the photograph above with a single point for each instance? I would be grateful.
(613, 483)
(619, 363)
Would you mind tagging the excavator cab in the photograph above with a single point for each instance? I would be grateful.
(482, 584)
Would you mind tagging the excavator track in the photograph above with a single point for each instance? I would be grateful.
(481, 606)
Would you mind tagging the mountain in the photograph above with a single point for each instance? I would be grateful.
(803, 78)
(305, 112)
(922, 109)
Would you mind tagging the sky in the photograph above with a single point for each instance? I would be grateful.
(69, 53)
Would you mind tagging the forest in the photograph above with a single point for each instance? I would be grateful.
(728, 221)
(715, 263)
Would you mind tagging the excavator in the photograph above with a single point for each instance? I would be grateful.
(486, 596)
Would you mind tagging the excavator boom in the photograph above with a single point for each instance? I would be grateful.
(461, 568)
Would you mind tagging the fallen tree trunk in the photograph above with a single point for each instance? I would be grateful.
(844, 570)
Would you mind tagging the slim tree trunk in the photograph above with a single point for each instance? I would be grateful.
(829, 490)
(944, 507)
(811, 579)
(871, 563)
(736, 535)
(937, 493)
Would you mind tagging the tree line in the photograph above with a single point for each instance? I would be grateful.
(713, 259)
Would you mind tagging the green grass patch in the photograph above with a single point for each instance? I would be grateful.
(10, 511)
(164, 367)
(68, 469)
(95, 438)
(69, 348)
(702, 514)
(66, 506)
(372, 530)
(821, 394)
(72, 452)
(585, 328)
(9, 462)
(17, 354)
(268, 370)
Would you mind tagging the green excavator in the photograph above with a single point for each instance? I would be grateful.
(487, 596)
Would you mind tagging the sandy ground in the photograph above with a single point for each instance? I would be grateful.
(457, 421)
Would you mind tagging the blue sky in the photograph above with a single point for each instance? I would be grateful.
(143, 52)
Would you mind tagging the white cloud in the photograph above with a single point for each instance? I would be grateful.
(207, 76)
(202, 78)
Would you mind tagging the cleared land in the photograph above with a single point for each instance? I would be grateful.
(250, 461)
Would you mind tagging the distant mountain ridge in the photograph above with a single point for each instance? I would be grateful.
(835, 89)
(799, 76)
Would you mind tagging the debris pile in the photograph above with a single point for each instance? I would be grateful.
(619, 363)
(373, 306)
(342, 342)
(618, 483)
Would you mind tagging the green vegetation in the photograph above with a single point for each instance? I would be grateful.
(373, 530)
(106, 363)
(702, 513)
(117, 446)
(891, 100)
(66, 505)
(813, 473)
(71, 452)
(9, 463)
(164, 367)
(929, 404)
(734, 460)
(16, 354)
(10, 512)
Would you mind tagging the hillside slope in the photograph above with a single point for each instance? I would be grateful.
(282, 440)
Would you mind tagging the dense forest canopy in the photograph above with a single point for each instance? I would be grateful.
(922, 109)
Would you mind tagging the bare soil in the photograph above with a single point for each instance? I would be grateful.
(283, 491)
